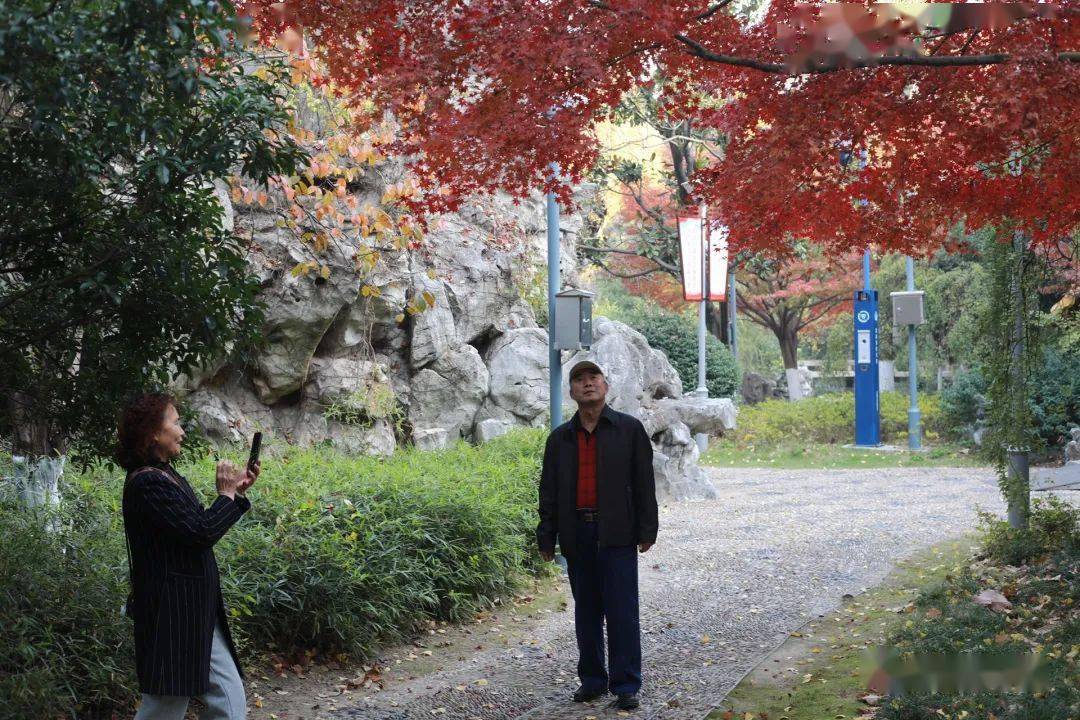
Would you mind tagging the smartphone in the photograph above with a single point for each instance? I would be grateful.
(256, 446)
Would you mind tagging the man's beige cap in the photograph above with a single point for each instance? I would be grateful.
(581, 365)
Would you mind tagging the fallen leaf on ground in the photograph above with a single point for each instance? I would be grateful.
(994, 600)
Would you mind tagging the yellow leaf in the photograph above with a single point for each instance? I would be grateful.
(431, 273)
(325, 272)
(400, 317)
(429, 298)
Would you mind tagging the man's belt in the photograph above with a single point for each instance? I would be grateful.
(588, 515)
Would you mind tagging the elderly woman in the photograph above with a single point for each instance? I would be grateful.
(182, 644)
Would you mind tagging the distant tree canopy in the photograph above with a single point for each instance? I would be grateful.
(116, 116)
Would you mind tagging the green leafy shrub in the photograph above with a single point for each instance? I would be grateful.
(339, 554)
(828, 418)
(961, 401)
(1056, 394)
(1053, 526)
(1055, 397)
(65, 651)
(676, 336)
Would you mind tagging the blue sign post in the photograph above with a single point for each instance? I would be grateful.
(867, 382)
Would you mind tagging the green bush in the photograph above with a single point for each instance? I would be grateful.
(339, 554)
(1055, 397)
(960, 402)
(64, 648)
(676, 336)
(1053, 526)
(828, 418)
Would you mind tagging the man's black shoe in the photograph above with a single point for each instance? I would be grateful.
(629, 701)
(582, 695)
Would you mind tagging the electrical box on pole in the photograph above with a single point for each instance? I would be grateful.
(907, 307)
(573, 323)
(867, 382)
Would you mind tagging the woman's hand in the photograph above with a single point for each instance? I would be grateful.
(251, 474)
(229, 478)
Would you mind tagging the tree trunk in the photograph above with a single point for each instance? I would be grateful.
(37, 458)
(716, 321)
(788, 336)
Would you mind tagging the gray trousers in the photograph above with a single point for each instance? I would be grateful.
(225, 700)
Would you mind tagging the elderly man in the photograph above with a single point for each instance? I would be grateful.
(598, 499)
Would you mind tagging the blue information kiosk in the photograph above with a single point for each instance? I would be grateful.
(867, 381)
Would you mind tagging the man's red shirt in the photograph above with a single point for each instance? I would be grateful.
(586, 476)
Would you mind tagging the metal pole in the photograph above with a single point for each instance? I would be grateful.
(1020, 496)
(554, 357)
(732, 314)
(702, 389)
(866, 270)
(914, 424)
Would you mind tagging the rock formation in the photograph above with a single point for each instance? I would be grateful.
(339, 366)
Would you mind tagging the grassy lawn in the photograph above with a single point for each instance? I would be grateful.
(823, 670)
(727, 453)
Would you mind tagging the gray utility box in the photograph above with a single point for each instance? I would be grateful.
(573, 319)
(907, 307)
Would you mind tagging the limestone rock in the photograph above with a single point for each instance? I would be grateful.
(518, 365)
(433, 330)
(675, 466)
(331, 379)
(448, 394)
(299, 309)
(713, 416)
(637, 373)
(491, 428)
(756, 388)
(431, 439)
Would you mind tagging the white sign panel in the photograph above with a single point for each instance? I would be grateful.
(718, 261)
(862, 347)
(690, 248)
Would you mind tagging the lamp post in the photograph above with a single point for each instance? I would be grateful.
(703, 261)
(554, 357)
(914, 419)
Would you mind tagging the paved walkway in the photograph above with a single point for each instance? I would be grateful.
(728, 580)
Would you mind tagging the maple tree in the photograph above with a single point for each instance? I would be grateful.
(788, 296)
(488, 94)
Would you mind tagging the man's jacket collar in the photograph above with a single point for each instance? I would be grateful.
(606, 414)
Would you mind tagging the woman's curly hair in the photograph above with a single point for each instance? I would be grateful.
(139, 422)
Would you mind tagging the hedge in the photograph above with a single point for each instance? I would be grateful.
(830, 418)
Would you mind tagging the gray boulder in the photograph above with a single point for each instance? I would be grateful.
(638, 374)
(299, 309)
(448, 394)
(518, 365)
(756, 388)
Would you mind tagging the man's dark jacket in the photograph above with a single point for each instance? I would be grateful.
(176, 589)
(625, 487)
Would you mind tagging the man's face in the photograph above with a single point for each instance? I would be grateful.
(588, 387)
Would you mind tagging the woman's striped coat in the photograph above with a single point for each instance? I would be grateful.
(175, 585)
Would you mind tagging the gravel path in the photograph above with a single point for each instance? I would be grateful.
(728, 580)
